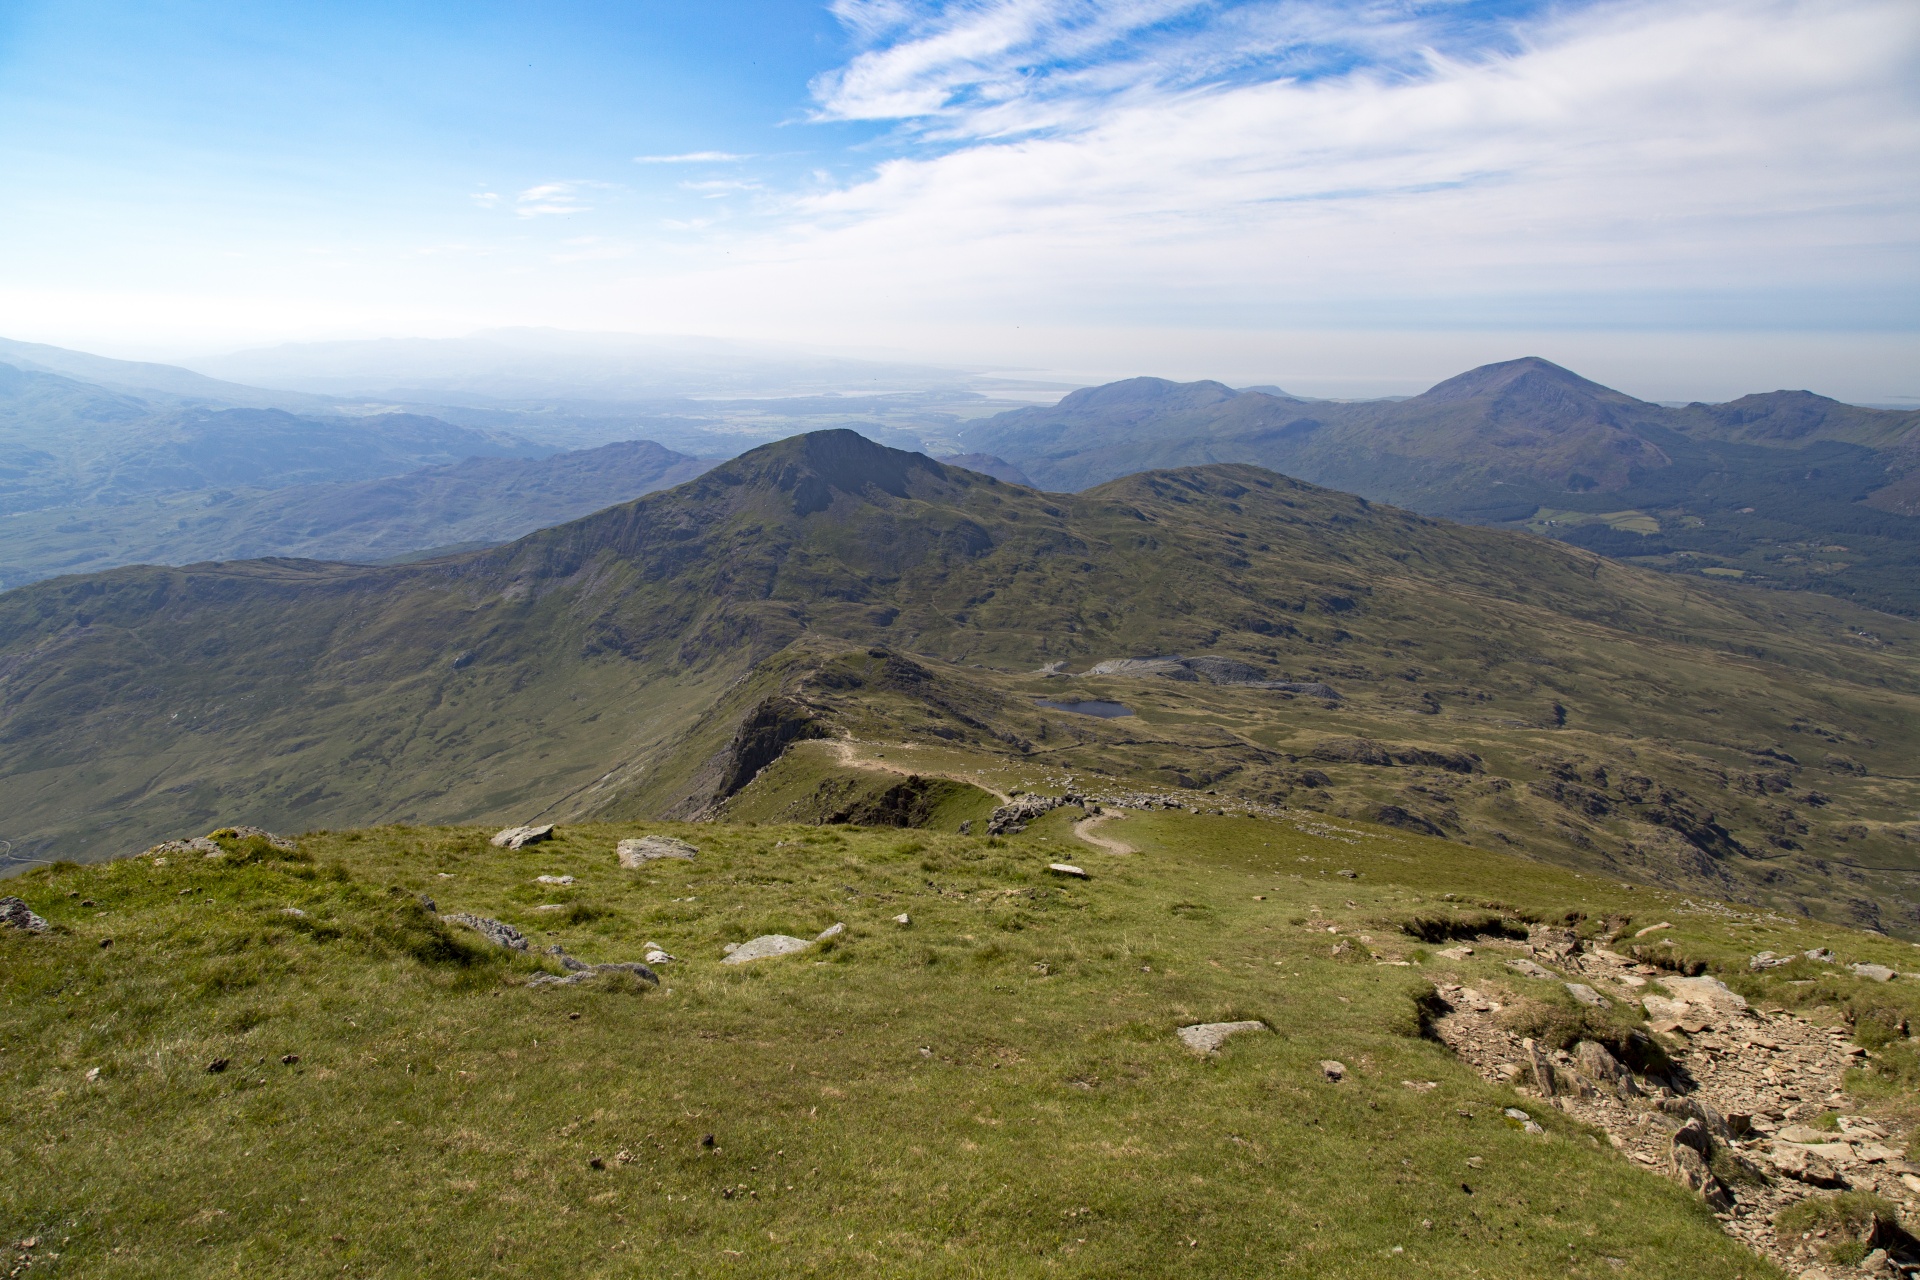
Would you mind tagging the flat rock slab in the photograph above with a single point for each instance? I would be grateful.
(1875, 972)
(521, 837)
(1531, 969)
(1709, 993)
(767, 944)
(1205, 1037)
(1586, 995)
(553, 879)
(639, 851)
(15, 914)
(1066, 869)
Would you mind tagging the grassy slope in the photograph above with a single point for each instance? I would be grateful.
(592, 668)
(994, 1089)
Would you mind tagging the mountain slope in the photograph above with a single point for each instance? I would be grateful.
(288, 1062)
(480, 500)
(65, 442)
(144, 378)
(658, 654)
(1788, 488)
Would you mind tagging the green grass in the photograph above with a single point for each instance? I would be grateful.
(992, 1090)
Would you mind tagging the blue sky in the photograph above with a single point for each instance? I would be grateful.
(1097, 185)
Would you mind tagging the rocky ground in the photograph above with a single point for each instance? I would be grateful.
(1732, 1115)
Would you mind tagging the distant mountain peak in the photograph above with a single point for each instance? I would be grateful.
(1529, 377)
(1158, 395)
(815, 466)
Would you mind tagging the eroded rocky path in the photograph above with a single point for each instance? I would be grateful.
(1729, 1119)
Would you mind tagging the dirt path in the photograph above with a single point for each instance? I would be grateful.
(1083, 829)
(1767, 1073)
(848, 753)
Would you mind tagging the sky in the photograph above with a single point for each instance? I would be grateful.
(1341, 196)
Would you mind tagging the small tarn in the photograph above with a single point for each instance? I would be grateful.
(1105, 710)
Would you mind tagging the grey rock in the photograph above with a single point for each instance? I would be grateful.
(1597, 1064)
(1334, 1071)
(495, 931)
(15, 914)
(1875, 972)
(1587, 995)
(1707, 993)
(1205, 1037)
(764, 946)
(521, 837)
(831, 931)
(1690, 1169)
(903, 918)
(1768, 960)
(1013, 816)
(553, 879)
(1820, 954)
(587, 972)
(1531, 969)
(657, 956)
(1066, 869)
(1804, 1165)
(638, 851)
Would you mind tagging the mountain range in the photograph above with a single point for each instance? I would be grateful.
(1786, 488)
(660, 655)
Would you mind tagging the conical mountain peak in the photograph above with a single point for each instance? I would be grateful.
(815, 466)
(1529, 378)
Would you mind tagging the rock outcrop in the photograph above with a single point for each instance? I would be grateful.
(521, 837)
(638, 851)
(15, 914)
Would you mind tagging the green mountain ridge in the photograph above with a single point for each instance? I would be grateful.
(1787, 488)
(659, 655)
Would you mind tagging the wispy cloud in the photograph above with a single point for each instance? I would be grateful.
(1178, 155)
(550, 198)
(693, 157)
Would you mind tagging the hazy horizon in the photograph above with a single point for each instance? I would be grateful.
(1341, 198)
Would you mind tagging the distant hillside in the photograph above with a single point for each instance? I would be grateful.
(478, 501)
(65, 442)
(655, 656)
(1788, 488)
(145, 378)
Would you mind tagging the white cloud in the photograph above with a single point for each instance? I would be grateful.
(550, 198)
(693, 157)
(1723, 145)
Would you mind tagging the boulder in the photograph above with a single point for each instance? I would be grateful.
(1708, 994)
(1334, 1071)
(1531, 969)
(495, 931)
(521, 837)
(1205, 1037)
(1875, 972)
(1690, 1169)
(15, 914)
(1587, 995)
(831, 931)
(639, 851)
(1596, 1063)
(764, 946)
